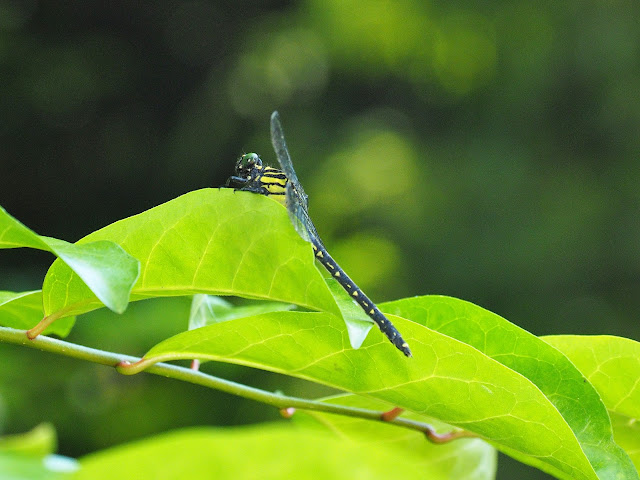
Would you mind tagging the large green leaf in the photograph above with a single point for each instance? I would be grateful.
(214, 241)
(23, 310)
(275, 452)
(612, 366)
(554, 374)
(447, 379)
(468, 459)
(104, 267)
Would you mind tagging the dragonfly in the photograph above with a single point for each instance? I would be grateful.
(282, 184)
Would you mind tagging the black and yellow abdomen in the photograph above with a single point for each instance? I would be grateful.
(360, 298)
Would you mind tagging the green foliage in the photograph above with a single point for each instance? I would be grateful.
(24, 309)
(208, 241)
(103, 267)
(485, 150)
(30, 456)
(447, 379)
(471, 459)
(266, 452)
(545, 402)
(207, 309)
(612, 366)
(39, 442)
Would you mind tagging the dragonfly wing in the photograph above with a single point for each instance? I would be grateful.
(297, 200)
(280, 147)
(297, 213)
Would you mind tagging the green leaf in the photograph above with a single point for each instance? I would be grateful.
(14, 234)
(358, 323)
(23, 310)
(214, 241)
(209, 309)
(24, 467)
(611, 364)
(39, 442)
(563, 385)
(469, 459)
(29, 456)
(276, 451)
(104, 267)
(627, 434)
(447, 379)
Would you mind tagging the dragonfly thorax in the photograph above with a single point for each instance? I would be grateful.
(251, 175)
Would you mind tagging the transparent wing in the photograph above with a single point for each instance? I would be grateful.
(297, 200)
(280, 147)
(299, 216)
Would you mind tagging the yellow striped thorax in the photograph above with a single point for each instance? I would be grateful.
(249, 167)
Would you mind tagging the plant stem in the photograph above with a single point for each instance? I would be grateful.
(60, 347)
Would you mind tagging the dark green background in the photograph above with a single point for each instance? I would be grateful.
(483, 150)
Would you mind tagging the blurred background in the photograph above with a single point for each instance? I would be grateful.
(483, 150)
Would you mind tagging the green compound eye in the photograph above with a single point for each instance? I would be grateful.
(246, 163)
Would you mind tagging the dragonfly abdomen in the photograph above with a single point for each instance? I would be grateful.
(361, 299)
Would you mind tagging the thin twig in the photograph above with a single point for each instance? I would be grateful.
(282, 402)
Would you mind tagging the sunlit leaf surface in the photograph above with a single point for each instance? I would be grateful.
(447, 379)
(266, 452)
(555, 375)
(471, 459)
(612, 366)
(104, 267)
(213, 241)
(23, 310)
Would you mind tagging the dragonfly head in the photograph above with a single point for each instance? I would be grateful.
(247, 163)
